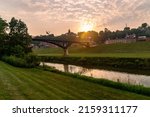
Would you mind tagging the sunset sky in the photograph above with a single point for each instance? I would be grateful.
(57, 16)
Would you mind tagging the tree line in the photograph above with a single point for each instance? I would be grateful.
(106, 34)
(143, 30)
(127, 32)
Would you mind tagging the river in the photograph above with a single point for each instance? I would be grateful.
(135, 79)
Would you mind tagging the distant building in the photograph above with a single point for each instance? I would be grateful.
(120, 41)
(133, 36)
(142, 38)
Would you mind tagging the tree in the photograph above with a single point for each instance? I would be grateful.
(102, 36)
(127, 29)
(3, 26)
(19, 35)
(3, 35)
(88, 36)
(69, 36)
(143, 30)
(93, 35)
(144, 25)
(14, 38)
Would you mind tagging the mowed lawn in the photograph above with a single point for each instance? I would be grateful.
(20, 83)
(138, 49)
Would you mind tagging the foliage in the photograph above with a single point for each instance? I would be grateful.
(90, 35)
(18, 51)
(32, 59)
(63, 37)
(103, 35)
(49, 36)
(19, 62)
(130, 63)
(28, 61)
(19, 35)
(67, 36)
(143, 30)
(127, 32)
(3, 26)
(3, 36)
(14, 38)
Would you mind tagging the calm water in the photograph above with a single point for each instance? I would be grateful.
(105, 74)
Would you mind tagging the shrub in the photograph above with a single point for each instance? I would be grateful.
(28, 61)
(18, 51)
(32, 59)
(18, 62)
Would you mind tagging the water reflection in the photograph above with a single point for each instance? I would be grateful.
(100, 73)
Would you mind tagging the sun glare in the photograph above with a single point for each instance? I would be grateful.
(86, 26)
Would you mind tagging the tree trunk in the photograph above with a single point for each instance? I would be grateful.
(66, 52)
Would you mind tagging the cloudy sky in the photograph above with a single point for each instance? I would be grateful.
(57, 16)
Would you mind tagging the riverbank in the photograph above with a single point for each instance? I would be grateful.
(139, 89)
(99, 62)
(37, 84)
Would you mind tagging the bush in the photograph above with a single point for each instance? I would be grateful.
(19, 62)
(18, 51)
(28, 61)
(32, 59)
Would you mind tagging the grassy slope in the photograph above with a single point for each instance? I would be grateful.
(17, 83)
(139, 49)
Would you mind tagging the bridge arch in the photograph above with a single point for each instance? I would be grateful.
(62, 43)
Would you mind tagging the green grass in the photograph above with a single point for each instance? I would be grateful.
(20, 83)
(138, 49)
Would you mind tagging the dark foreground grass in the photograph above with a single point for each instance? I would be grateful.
(20, 83)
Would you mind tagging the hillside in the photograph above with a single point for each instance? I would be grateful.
(138, 49)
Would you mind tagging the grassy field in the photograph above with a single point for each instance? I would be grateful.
(138, 49)
(19, 83)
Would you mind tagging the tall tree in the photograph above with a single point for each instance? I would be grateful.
(19, 37)
(3, 35)
(3, 26)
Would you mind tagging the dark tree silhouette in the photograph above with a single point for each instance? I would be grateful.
(143, 30)
(3, 35)
(19, 37)
(14, 38)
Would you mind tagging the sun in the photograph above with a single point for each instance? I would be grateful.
(86, 26)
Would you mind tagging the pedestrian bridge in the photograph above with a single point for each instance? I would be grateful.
(61, 42)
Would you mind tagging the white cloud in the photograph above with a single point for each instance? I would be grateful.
(109, 13)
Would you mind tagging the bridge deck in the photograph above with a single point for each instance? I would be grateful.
(59, 40)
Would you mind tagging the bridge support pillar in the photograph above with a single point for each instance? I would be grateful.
(66, 52)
